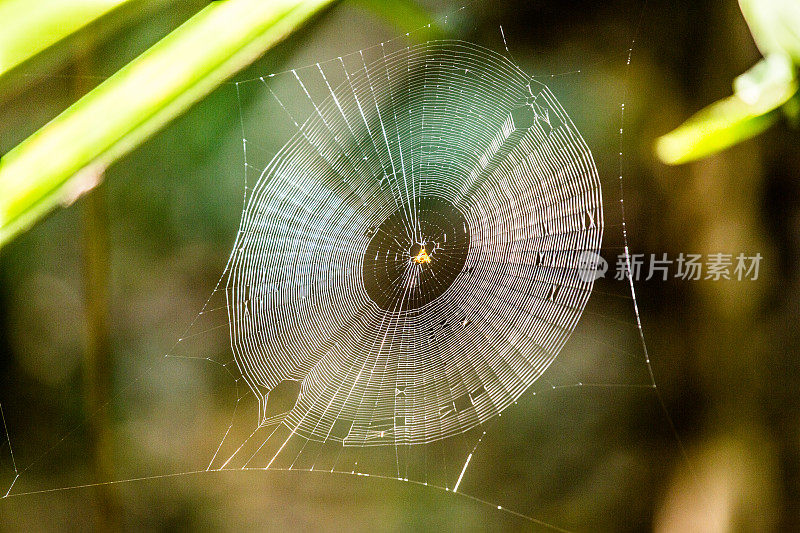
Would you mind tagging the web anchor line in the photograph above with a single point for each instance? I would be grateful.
(10, 451)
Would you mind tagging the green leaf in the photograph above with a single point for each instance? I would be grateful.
(775, 25)
(718, 126)
(64, 158)
(31, 26)
(759, 92)
(768, 84)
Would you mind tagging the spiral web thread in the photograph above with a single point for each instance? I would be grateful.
(449, 121)
(390, 134)
(382, 387)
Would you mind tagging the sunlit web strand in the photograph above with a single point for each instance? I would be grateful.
(445, 120)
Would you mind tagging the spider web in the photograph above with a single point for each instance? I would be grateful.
(364, 360)
(450, 140)
(408, 269)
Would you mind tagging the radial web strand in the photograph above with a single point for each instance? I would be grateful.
(478, 170)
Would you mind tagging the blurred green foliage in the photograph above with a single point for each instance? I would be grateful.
(723, 353)
(760, 94)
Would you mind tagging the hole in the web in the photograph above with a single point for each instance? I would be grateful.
(281, 399)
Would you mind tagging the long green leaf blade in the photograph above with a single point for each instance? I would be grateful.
(29, 27)
(45, 169)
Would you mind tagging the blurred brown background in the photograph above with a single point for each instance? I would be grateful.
(723, 352)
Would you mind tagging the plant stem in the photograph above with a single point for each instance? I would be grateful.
(97, 355)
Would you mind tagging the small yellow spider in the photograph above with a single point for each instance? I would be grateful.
(422, 257)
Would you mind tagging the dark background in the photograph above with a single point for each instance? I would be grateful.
(723, 353)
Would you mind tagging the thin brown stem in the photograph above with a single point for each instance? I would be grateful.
(97, 356)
